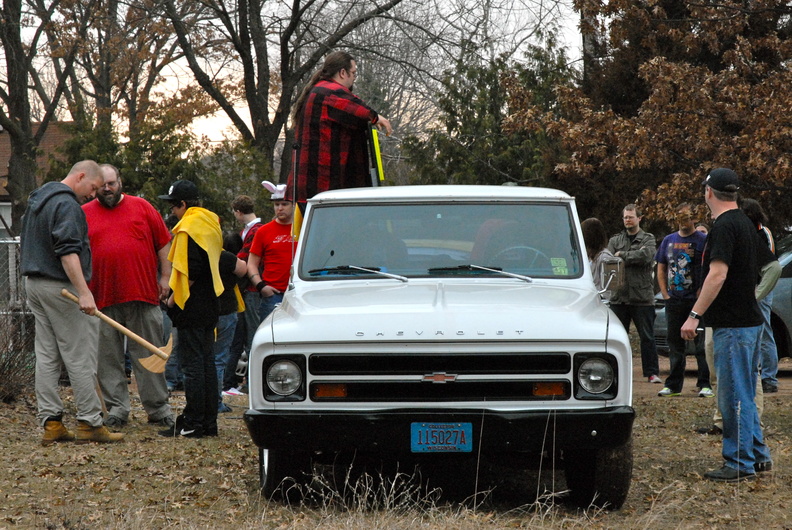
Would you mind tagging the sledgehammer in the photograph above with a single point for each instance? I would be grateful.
(154, 363)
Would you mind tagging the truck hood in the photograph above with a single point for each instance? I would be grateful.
(380, 311)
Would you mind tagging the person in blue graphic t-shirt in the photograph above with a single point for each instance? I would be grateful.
(679, 276)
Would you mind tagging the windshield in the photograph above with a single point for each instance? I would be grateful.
(413, 240)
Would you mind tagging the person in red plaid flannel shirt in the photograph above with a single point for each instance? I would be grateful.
(331, 131)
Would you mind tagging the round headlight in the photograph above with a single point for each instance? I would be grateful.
(595, 375)
(284, 378)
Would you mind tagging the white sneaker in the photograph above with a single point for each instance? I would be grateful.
(233, 392)
(655, 379)
(706, 392)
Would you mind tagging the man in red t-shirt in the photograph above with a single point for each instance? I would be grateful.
(271, 255)
(129, 244)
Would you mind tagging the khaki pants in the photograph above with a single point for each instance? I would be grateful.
(145, 320)
(64, 335)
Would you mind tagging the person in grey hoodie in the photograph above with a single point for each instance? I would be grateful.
(55, 255)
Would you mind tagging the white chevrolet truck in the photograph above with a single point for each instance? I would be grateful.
(444, 323)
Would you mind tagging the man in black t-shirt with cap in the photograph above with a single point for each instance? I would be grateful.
(727, 304)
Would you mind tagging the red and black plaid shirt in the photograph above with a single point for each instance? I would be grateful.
(332, 138)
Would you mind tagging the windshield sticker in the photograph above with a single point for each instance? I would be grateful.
(559, 266)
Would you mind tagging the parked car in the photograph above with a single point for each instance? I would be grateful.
(780, 317)
(428, 325)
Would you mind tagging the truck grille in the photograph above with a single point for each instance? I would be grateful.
(432, 377)
(381, 364)
(421, 391)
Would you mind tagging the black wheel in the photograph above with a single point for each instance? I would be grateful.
(600, 477)
(282, 474)
(523, 253)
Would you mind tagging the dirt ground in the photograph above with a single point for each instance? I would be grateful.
(154, 482)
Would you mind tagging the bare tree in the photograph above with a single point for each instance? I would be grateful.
(25, 52)
(121, 61)
(404, 46)
(276, 47)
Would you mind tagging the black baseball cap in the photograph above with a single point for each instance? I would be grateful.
(722, 179)
(181, 190)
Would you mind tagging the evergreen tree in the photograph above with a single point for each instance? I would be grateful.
(470, 145)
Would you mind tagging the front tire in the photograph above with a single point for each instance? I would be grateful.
(601, 477)
(282, 474)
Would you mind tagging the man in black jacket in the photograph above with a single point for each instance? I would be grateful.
(635, 300)
(195, 284)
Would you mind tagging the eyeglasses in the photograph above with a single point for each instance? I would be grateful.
(353, 73)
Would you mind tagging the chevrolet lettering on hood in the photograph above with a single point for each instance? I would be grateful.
(436, 333)
(440, 327)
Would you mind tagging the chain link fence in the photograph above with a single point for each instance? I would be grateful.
(17, 327)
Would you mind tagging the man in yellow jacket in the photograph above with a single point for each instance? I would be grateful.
(195, 284)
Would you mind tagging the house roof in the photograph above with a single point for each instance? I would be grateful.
(54, 137)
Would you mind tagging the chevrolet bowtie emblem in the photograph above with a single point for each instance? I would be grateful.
(439, 377)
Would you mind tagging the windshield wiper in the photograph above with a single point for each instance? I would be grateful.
(472, 267)
(352, 269)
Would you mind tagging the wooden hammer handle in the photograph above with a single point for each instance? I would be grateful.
(126, 331)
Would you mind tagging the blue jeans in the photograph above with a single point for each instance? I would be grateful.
(251, 317)
(643, 316)
(268, 305)
(226, 325)
(173, 375)
(230, 378)
(769, 359)
(247, 324)
(737, 368)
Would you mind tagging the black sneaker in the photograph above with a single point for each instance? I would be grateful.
(727, 474)
(763, 467)
(211, 431)
(114, 422)
(182, 432)
(166, 421)
(768, 387)
(710, 430)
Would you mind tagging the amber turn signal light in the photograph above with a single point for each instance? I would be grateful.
(329, 390)
(549, 389)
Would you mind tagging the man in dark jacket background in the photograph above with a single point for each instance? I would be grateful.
(635, 300)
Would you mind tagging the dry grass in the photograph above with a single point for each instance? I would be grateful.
(150, 482)
(16, 357)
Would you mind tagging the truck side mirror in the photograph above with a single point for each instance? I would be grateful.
(612, 276)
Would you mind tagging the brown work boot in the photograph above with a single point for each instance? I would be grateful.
(86, 433)
(55, 431)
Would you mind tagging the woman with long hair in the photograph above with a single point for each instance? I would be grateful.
(596, 239)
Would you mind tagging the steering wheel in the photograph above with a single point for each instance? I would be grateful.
(531, 254)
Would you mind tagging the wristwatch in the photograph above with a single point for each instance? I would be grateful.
(695, 315)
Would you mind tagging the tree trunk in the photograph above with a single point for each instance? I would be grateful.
(21, 177)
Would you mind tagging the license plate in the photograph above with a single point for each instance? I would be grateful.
(441, 437)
